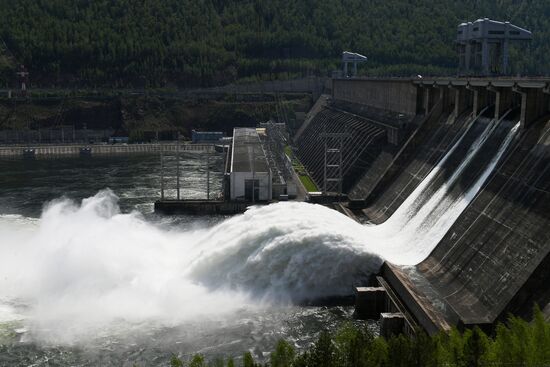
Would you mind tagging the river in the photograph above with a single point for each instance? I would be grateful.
(89, 275)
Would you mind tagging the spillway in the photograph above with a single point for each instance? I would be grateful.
(493, 259)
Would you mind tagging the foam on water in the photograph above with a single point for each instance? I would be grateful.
(84, 266)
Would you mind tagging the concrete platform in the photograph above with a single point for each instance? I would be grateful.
(422, 302)
(369, 302)
(206, 207)
(391, 324)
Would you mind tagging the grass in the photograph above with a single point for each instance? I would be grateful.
(308, 183)
(301, 171)
(288, 152)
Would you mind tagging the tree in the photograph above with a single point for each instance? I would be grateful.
(197, 361)
(176, 362)
(283, 356)
(399, 351)
(211, 42)
(248, 360)
(475, 346)
(323, 352)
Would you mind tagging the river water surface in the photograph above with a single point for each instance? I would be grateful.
(89, 275)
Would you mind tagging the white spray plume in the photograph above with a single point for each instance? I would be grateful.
(81, 267)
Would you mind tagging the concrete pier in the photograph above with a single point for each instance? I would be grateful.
(391, 324)
(532, 94)
(369, 302)
(200, 207)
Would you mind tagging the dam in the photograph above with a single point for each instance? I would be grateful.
(466, 157)
(449, 206)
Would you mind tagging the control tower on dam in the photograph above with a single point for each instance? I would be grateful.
(481, 144)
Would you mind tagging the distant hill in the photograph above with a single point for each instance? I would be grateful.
(211, 42)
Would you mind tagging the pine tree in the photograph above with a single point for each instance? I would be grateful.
(323, 352)
(475, 347)
(248, 360)
(283, 356)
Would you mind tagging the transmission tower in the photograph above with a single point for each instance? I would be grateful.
(23, 76)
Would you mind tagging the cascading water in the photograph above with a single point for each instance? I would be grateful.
(81, 267)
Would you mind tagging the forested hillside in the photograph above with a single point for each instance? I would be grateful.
(186, 43)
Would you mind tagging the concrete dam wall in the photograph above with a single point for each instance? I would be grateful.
(359, 140)
(396, 95)
(370, 134)
(495, 258)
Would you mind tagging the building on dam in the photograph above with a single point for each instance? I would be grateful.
(483, 46)
(250, 174)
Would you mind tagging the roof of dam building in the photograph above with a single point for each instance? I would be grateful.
(499, 81)
(491, 29)
(352, 56)
(248, 154)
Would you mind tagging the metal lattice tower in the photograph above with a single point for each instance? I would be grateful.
(23, 76)
(333, 163)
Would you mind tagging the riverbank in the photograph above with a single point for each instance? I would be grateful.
(55, 150)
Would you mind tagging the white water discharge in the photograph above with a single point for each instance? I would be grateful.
(81, 267)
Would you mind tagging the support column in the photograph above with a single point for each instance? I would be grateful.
(505, 57)
(460, 102)
(443, 97)
(468, 56)
(426, 100)
(546, 92)
(369, 302)
(461, 57)
(480, 99)
(503, 100)
(529, 111)
(391, 324)
(475, 110)
(485, 56)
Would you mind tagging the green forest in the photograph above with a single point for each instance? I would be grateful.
(185, 43)
(516, 343)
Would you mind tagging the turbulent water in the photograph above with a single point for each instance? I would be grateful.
(94, 276)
